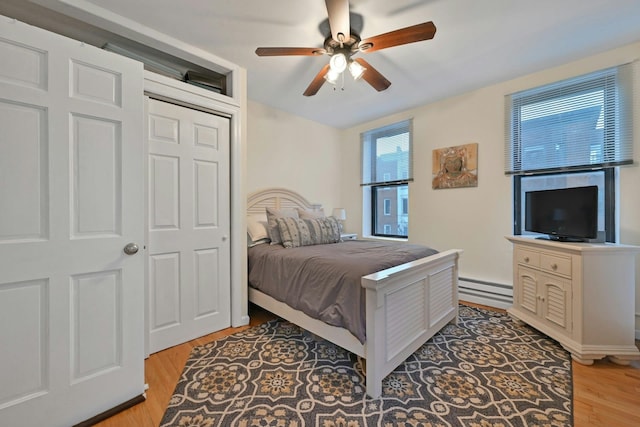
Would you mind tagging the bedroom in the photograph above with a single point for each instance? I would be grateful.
(481, 216)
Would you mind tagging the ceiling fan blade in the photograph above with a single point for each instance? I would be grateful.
(338, 11)
(289, 51)
(373, 76)
(415, 33)
(317, 82)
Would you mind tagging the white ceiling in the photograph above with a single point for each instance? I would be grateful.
(477, 43)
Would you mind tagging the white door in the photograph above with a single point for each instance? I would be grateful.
(189, 224)
(71, 198)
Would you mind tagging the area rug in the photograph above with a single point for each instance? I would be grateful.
(486, 371)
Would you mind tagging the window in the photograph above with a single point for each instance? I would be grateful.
(569, 134)
(387, 206)
(386, 173)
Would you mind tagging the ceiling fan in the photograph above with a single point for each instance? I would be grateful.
(342, 44)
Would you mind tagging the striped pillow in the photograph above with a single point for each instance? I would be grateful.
(297, 232)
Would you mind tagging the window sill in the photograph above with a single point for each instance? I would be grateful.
(391, 239)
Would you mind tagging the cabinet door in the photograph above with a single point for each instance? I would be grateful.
(555, 296)
(527, 290)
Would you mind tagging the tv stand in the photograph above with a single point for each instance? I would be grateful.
(580, 294)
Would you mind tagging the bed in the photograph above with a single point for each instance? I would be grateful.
(404, 305)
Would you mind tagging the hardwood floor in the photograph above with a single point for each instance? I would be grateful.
(605, 394)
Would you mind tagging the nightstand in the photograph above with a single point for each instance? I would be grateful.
(349, 236)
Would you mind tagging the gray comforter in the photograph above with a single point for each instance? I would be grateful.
(323, 281)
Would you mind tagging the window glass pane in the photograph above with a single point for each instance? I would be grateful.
(386, 154)
(392, 157)
(574, 124)
(563, 131)
(391, 217)
(567, 180)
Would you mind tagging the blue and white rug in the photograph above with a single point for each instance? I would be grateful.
(488, 371)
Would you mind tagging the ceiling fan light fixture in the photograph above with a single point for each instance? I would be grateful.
(338, 62)
(356, 70)
(332, 76)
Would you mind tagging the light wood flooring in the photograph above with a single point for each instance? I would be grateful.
(605, 394)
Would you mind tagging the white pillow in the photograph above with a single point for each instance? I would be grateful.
(257, 227)
(310, 213)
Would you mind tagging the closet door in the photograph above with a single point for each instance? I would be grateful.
(189, 224)
(71, 199)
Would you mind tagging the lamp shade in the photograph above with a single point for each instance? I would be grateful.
(340, 214)
(356, 70)
(338, 62)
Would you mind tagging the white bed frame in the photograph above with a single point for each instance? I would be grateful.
(405, 305)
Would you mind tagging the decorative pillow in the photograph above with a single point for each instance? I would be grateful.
(272, 225)
(310, 213)
(257, 227)
(297, 232)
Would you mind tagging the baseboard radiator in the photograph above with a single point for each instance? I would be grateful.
(486, 293)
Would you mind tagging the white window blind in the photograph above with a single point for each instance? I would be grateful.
(387, 155)
(580, 123)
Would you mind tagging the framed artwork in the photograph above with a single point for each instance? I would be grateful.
(455, 167)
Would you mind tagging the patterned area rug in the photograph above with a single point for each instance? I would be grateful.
(488, 371)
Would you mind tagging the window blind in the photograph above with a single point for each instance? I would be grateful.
(580, 123)
(387, 155)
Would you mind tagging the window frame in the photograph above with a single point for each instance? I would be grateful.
(369, 169)
(615, 84)
(374, 217)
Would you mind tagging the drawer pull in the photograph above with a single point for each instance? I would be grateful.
(526, 259)
(554, 266)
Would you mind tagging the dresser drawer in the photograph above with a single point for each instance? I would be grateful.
(556, 264)
(526, 257)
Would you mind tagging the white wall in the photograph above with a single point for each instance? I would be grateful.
(284, 150)
(477, 219)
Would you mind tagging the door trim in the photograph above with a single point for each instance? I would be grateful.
(170, 90)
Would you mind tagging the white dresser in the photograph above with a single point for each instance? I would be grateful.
(580, 294)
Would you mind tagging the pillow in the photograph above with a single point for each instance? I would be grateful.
(257, 227)
(297, 232)
(272, 225)
(310, 213)
(252, 243)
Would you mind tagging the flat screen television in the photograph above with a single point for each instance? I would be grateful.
(567, 214)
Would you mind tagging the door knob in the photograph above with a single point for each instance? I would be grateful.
(131, 249)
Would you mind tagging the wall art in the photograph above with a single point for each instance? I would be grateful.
(455, 167)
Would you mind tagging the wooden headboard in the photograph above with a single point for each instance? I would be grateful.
(277, 198)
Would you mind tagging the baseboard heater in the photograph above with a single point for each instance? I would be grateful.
(486, 293)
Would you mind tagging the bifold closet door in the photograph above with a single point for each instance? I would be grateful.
(189, 262)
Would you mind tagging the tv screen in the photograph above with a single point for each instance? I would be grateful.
(569, 214)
